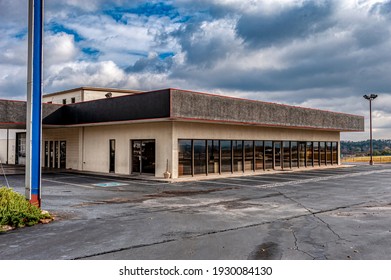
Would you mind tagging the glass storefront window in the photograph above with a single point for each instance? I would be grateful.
(277, 155)
(268, 154)
(335, 152)
(184, 157)
(258, 155)
(329, 153)
(216, 156)
(316, 154)
(213, 156)
(295, 158)
(322, 151)
(238, 155)
(302, 156)
(199, 156)
(286, 154)
(309, 154)
(226, 156)
(249, 155)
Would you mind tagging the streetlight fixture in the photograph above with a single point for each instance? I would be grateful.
(370, 98)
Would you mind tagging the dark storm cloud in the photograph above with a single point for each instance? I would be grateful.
(201, 50)
(293, 79)
(264, 30)
(371, 35)
(382, 9)
(13, 14)
(154, 64)
(14, 86)
(330, 56)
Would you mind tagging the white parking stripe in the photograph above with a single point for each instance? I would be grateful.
(297, 182)
(271, 177)
(71, 184)
(244, 179)
(130, 181)
(222, 183)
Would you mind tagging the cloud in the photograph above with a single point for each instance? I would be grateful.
(13, 82)
(13, 14)
(293, 23)
(206, 43)
(102, 74)
(152, 64)
(383, 9)
(322, 54)
(59, 48)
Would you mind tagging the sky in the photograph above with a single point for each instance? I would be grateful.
(323, 54)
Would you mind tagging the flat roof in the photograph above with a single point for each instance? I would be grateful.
(92, 89)
(183, 105)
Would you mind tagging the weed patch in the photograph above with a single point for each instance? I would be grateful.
(16, 211)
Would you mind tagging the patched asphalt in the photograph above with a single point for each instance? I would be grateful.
(339, 213)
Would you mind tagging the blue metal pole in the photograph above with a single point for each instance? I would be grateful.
(34, 103)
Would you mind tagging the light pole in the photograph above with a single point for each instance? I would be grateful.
(370, 98)
(34, 102)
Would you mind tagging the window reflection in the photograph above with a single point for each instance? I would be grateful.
(295, 158)
(268, 154)
(287, 154)
(226, 156)
(238, 155)
(249, 155)
(258, 155)
(184, 157)
(213, 156)
(216, 156)
(199, 156)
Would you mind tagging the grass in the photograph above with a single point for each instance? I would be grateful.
(376, 159)
(16, 211)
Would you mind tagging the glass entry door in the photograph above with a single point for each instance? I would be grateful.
(143, 156)
(63, 154)
(55, 154)
(112, 156)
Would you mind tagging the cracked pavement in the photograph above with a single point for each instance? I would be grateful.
(337, 213)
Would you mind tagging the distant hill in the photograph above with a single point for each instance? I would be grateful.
(361, 148)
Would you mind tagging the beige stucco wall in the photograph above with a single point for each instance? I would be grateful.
(96, 145)
(71, 136)
(194, 130)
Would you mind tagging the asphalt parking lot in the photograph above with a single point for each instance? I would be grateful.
(341, 213)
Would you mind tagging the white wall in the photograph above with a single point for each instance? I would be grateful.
(93, 95)
(96, 145)
(57, 99)
(11, 145)
(71, 136)
(88, 147)
(81, 95)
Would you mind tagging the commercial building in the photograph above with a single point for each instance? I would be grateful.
(185, 133)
